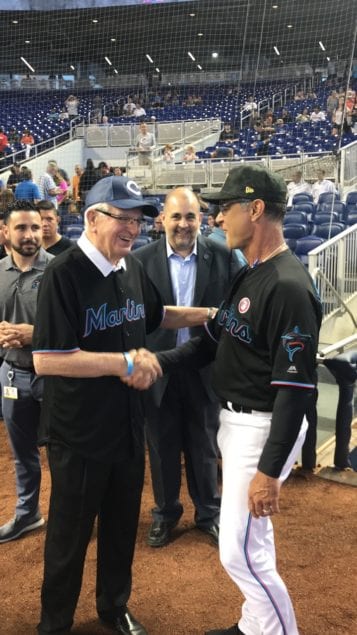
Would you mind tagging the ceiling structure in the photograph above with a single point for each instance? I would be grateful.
(240, 32)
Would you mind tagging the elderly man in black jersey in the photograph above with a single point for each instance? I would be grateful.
(96, 305)
(264, 339)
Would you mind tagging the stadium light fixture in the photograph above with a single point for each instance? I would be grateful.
(191, 56)
(15, 21)
(27, 64)
(72, 67)
(115, 71)
(157, 70)
(192, 15)
(95, 21)
(275, 6)
(113, 39)
(149, 58)
(215, 55)
(199, 67)
(27, 42)
(108, 61)
(276, 50)
(322, 46)
(289, 26)
(200, 34)
(328, 58)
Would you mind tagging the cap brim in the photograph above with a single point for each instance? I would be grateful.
(217, 197)
(148, 206)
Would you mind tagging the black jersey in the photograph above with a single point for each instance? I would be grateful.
(79, 308)
(267, 333)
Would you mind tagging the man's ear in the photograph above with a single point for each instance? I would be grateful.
(91, 216)
(257, 209)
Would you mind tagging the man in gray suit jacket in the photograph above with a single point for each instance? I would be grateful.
(182, 409)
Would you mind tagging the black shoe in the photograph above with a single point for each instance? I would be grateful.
(125, 624)
(233, 630)
(160, 533)
(211, 530)
(20, 525)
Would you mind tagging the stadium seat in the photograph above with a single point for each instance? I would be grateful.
(141, 241)
(304, 206)
(351, 218)
(351, 198)
(295, 217)
(73, 232)
(325, 217)
(327, 230)
(291, 243)
(295, 230)
(302, 197)
(328, 197)
(305, 245)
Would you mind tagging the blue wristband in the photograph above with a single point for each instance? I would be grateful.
(130, 363)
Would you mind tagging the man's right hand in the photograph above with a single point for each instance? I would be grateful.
(146, 370)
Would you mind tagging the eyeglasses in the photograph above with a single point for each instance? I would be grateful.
(124, 220)
(225, 207)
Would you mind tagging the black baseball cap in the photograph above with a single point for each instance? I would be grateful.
(123, 193)
(250, 182)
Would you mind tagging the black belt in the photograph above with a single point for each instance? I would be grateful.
(27, 369)
(236, 407)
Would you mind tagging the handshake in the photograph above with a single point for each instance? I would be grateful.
(143, 369)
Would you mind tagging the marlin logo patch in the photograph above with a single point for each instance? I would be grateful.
(294, 341)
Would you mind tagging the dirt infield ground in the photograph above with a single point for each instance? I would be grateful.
(182, 588)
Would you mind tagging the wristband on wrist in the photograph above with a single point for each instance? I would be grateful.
(211, 312)
(130, 363)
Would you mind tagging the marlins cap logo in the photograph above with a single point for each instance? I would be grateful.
(133, 188)
(248, 189)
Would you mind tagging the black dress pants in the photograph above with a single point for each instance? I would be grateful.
(186, 421)
(83, 489)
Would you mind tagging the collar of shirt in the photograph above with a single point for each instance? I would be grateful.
(40, 263)
(97, 258)
(171, 252)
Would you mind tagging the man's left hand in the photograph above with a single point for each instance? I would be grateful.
(263, 495)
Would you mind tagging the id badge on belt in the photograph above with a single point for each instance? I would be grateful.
(10, 391)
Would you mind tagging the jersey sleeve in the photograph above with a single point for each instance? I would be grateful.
(56, 324)
(293, 330)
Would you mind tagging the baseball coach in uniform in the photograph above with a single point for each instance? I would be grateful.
(264, 339)
(96, 305)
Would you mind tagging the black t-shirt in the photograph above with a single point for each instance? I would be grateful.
(79, 308)
(60, 246)
(268, 333)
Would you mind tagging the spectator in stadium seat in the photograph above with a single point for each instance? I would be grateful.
(62, 183)
(190, 154)
(47, 186)
(286, 116)
(158, 229)
(145, 143)
(52, 240)
(26, 189)
(129, 107)
(13, 136)
(139, 111)
(297, 186)
(14, 177)
(227, 133)
(72, 103)
(222, 153)
(28, 141)
(300, 95)
(317, 115)
(303, 117)
(321, 185)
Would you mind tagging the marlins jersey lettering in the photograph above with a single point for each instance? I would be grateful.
(272, 337)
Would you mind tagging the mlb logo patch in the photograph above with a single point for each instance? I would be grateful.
(244, 305)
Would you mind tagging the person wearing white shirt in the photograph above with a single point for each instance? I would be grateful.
(321, 185)
(297, 186)
(129, 107)
(317, 115)
(139, 111)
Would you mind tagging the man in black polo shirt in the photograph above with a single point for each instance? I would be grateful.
(20, 275)
(96, 305)
(52, 240)
(264, 339)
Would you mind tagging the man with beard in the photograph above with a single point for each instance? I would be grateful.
(182, 409)
(20, 275)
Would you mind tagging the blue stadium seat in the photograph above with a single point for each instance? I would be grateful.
(327, 230)
(328, 197)
(295, 230)
(295, 217)
(73, 232)
(141, 241)
(325, 217)
(304, 206)
(302, 197)
(351, 218)
(305, 245)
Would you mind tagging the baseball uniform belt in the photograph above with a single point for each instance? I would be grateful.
(236, 407)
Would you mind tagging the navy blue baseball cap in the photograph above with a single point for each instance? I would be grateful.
(123, 193)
